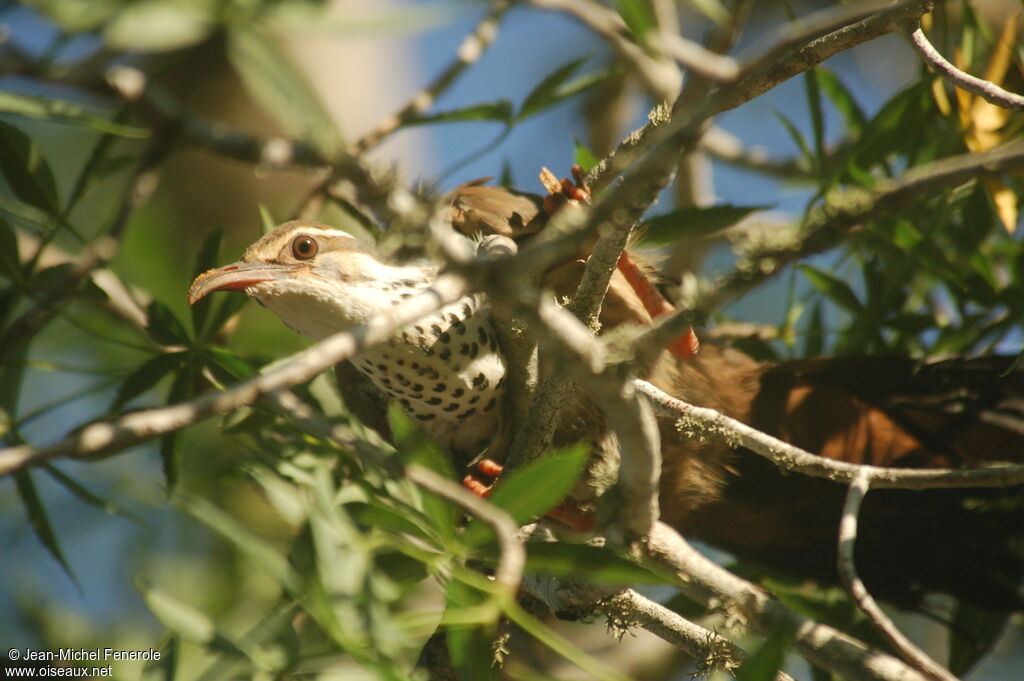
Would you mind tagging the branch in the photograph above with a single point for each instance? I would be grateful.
(790, 458)
(744, 603)
(139, 427)
(848, 574)
(985, 89)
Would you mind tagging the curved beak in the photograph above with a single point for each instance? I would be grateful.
(237, 276)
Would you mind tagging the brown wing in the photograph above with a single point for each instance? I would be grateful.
(480, 209)
(362, 398)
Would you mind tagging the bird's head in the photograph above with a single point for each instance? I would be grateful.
(319, 280)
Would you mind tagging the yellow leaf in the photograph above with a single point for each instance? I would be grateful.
(941, 99)
(1005, 202)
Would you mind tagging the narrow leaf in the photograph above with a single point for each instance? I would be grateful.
(636, 14)
(88, 496)
(64, 111)
(10, 262)
(593, 564)
(26, 171)
(500, 111)
(842, 99)
(39, 520)
(817, 116)
(797, 136)
(163, 326)
(583, 156)
(545, 93)
(763, 664)
(181, 618)
(534, 488)
(275, 81)
(145, 377)
(837, 290)
(692, 222)
(158, 26)
(206, 259)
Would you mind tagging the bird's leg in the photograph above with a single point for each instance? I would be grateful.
(575, 192)
(567, 512)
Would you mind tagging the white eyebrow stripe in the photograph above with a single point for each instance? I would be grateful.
(329, 233)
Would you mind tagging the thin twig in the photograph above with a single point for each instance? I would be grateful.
(662, 77)
(139, 427)
(985, 89)
(513, 556)
(472, 48)
(848, 574)
(791, 458)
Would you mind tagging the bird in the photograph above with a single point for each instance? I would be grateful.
(445, 371)
(448, 373)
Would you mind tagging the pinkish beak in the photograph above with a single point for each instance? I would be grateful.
(237, 276)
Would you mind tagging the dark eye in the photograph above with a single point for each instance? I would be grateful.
(304, 247)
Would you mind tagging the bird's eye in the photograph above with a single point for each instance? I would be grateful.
(304, 247)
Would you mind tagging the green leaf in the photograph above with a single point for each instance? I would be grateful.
(158, 26)
(593, 564)
(500, 111)
(763, 664)
(814, 341)
(546, 92)
(89, 497)
(637, 16)
(693, 221)
(257, 550)
(837, 290)
(469, 646)
(26, 171)
(63, 111)
(145, 377)
(181, 618)
(972, 634)
(798, 138)
(206, 259)
(236, 367)
(842, 99)
(39, 520)
(817, 116)
(267, 221)
(583, 156)
(276, 83)
(416, 447)
(533, 489)
(712, 9)
(163, 327)
(10, 261)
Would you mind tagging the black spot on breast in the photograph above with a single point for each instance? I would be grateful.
(445, 337)
(467, 310)
(426, 417)
(452, 407)
(436, 328)
(483, 336)
(452, 318)
(458, 392)
(417, 387)
(440, 388)
(434, 401)
(415, 365)
(382, 367)
(445, 353)
(419, 330)
(385, 380)
(469, 412)
(460, 328)
(474, 350)
(501, 382)
(464, 349)
(480, 382)
(474, 399)
(490, 405)
(404, 402)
